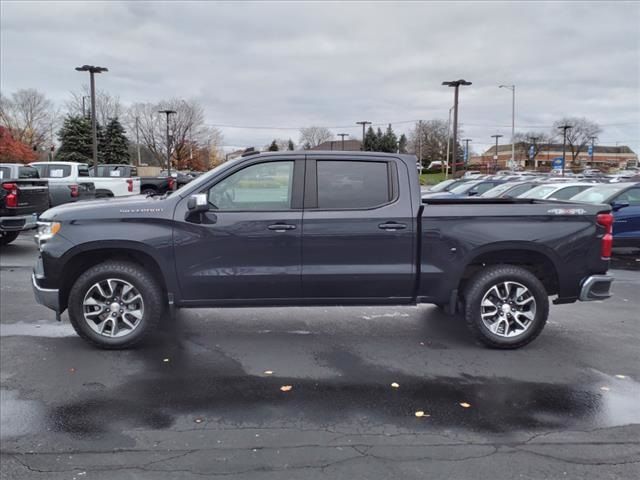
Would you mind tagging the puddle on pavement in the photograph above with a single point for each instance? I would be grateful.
(19, 417)
(222, 392)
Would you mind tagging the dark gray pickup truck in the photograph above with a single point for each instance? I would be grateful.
(319, 228)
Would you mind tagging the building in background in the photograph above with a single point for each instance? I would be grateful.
(604, 157)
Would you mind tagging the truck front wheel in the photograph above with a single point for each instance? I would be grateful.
(7, 237)
(115, 304)
(506, 306)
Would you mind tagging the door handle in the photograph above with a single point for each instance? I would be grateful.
(281, 227)
(392, 226)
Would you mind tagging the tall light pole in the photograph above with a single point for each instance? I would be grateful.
(94, 130)
(446, 163)
(466, 152)
(513, 122)
(456, 84)
(84, 111)
(364, 124)
(167, 113)
(342, 135)
(495, 157)
(564, 129)
(593, 149)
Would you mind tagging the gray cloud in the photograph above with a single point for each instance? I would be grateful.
(296, 64)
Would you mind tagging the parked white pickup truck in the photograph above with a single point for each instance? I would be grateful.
(68, 181)
(112, 181)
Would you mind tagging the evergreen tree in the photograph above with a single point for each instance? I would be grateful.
(389, 141)
(273, 147)
(291, 146)
(114, 146)
(402, 144)
(75, 140)
(370, 140)
(379, 141)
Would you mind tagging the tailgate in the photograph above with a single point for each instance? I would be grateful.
(33, 196)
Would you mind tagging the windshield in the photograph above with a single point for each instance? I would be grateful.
(445, 185)
(465, 187)
(599, 194)
(497, 190)
(540, 192)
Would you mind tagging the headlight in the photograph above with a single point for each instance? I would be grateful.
(46, 230)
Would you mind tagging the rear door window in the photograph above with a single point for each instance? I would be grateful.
(54, 170)
(27, 172)
(632, 196)
(353, 184)
(5, 172)
(83, 171)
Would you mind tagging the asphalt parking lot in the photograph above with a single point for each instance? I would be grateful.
(202, 397)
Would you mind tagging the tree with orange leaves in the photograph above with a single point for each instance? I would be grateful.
(12, 150)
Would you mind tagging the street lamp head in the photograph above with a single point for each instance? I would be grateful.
(92, 69)
(167, 112)
(497, 136)
(456, 83)
(510, 87)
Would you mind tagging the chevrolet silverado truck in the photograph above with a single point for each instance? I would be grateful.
(319, 228)
(114, 181)
(23, 196)
(68, 181)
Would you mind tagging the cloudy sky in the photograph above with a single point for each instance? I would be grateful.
(287, 64)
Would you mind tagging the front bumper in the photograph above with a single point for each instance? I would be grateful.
(596, 287)
(18, 223)
(49, 297)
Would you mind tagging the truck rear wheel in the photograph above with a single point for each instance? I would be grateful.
(7, 237)
(505, 306)
(114, 305)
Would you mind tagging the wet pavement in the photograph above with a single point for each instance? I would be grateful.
(202, 397)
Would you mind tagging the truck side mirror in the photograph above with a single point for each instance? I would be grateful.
(198, 203)
(618, 205)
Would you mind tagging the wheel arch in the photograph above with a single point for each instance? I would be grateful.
(79, 260)
(539, 260)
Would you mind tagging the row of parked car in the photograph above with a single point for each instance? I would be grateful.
(622, 194)
(28, 190)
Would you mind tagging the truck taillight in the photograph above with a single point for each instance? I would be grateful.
(171, 182)
(130, 184)
(11, 200)
(74, 191)
(606, 220)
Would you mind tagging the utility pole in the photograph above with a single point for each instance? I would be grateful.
(456, 84)
(138, 138)
(364, 124)
(466, 152)
(564, 129)
(593, 149)
(495, 157)
(342, 135)
(446, 163)
(513, 122)
(167, 113)
(94, 129)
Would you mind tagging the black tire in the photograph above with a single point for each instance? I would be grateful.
(482, 282)
(136, 275)
(7, 237)
(149, 191)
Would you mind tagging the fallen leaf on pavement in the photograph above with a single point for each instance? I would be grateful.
(395, 385)
(198, 420)
(165, 360)
(465, 405)
(420, 414)
(605, 389)
(286, 388)
(72, 370)
(621, 376)
(268, 372)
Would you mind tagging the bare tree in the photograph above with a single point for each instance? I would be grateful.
(428, 140)
(107, 106)
(579, 135)
(313, 136)
(537, 140)
(29, 116)
(187, 130)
